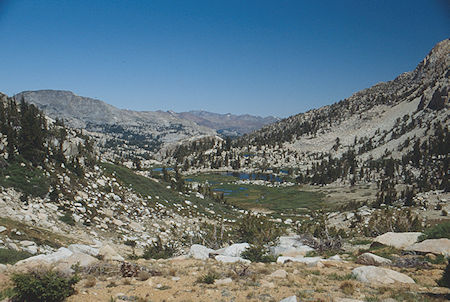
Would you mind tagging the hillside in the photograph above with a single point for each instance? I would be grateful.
(138, 134)
(228, 124)
(404, 121)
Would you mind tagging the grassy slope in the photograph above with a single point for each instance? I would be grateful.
(148, 187)
(278, 199)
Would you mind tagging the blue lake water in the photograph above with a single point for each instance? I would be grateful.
(254, 176)
(160, 169)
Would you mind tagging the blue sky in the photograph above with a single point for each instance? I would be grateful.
(258, 57)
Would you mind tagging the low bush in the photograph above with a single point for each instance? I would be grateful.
(208, 278)
(388, 220)
(258, 253)
(8, 256)
(441, 230)
(45, 286)
(445, 280)
(67, 218)
(158, 250)
(257, 230)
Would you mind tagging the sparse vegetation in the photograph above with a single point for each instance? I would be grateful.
(158, 250)
(43, 286)
(8, 256)
(445, 280)
(257, 230)
(257, 253)
(440, 230)
(208, 278)
(67, 218)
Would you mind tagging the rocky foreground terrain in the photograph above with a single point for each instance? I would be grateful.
(407, 271)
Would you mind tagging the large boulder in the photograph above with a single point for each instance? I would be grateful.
(290, 246)
(398, 240)
(309, 261)
(85, 249)
(234, 250)
(80, 259)
(230, 259)
(60, 254)
(374, 274)
(434, 246)
(372, 259)
(109, 254)
(198, 251)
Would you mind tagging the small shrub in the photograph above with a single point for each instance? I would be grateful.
(8, 256)
(6, 293)
(157, 250)
(257, 253)
(111, 284)
(445, 280)
(337, 277)
(441, 230)
(437, 259)
(90, 282)
(444, 213)
(360, 241)
(143, 275)
(43, 286)
(347, 288)
(67, 218)
(257, 230)
(208, 278)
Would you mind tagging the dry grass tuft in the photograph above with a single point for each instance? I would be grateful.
(347, 287)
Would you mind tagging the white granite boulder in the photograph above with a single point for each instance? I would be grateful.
(434, 246)
(85, 249)
(230, 259)
(198, 251)
(374, 274)
(372, 259)
(398, 240)
(290, 246)
(234, 250)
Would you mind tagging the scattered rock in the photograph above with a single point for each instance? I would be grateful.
(372, 259)
(279, 274)
(398, 240)
(434, 246)
(290, 299)
(267, 284)
(223, 281)
(374, 274)
(2, 229)
(32, 249)
(290, 246)
(346, 300)
(3, 268)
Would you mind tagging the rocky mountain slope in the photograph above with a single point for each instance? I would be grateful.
(51, 177)
(404, 122)
(382, 113)
(228, 124)
(142, 133)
